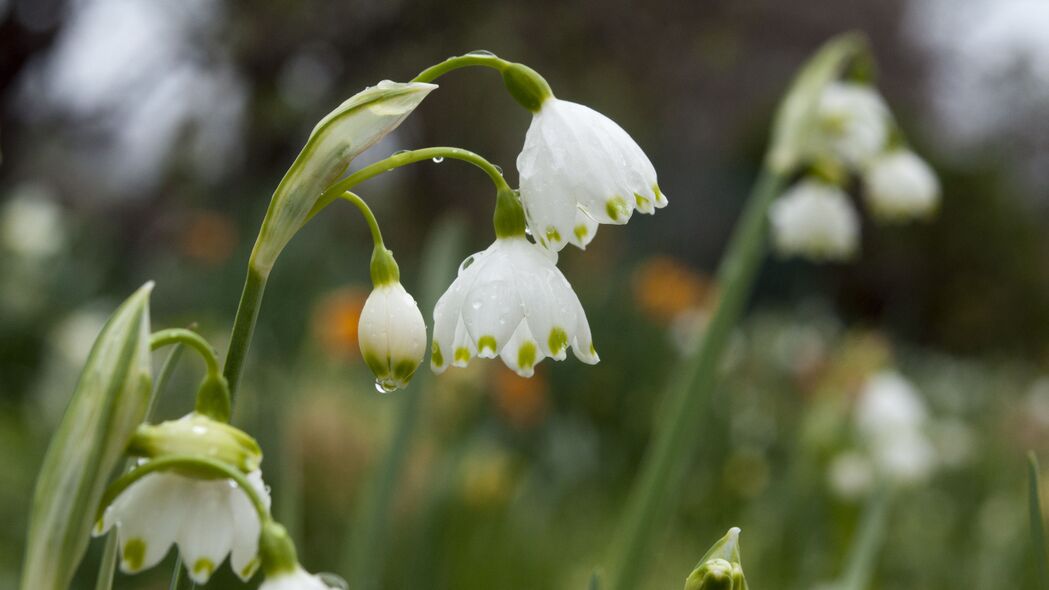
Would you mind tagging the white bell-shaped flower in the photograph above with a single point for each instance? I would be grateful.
(208, 519)
(510, 300)
(815, 220)
(578, 168)
(900, 186)
(853, 123)
(297, 579)
(392, 335)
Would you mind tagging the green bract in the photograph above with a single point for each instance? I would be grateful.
(109, 403)
(338, 138)
(795, 120)
(720, 568)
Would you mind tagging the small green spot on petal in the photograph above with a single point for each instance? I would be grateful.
(581, 231)
(553, 235)
(659, 195)
(593, 350)
(642, 202)
(403, 370)
(204, 566)
(616, 208)
(558, 340)
(526, 355)
(462, 354)
(250, 568)
(436, 357)
(487, 342)
(134, 554)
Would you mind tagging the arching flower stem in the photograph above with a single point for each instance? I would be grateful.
(477, 59)
(191, 339)
(398, 160)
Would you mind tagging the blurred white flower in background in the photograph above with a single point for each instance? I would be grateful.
(900, 186)
(815, 220)
(891, 419)
(853, 123)
(32, 224)
(850, 475)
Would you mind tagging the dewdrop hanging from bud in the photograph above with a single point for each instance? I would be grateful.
(391, 332)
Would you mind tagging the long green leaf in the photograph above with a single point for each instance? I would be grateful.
(110, 401)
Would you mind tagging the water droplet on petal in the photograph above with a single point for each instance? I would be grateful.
(476, 305)
(438, 159)
(384, 388)
(333, 581)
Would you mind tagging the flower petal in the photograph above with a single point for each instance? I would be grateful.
(206, 534)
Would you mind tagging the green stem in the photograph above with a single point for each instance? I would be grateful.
(463, 61)
(367, 542)
(207, 464)
(107, 571)
(690, 389)
(1037, 522)
(243, 328)
(369, 217)
(189, 338)
(859, 565)
(336, 190)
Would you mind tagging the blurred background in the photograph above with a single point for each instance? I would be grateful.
(142, 140)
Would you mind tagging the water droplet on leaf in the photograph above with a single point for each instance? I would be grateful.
(438, 159)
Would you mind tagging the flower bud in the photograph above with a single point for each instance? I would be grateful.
(720, 568)
(392, 335)
(199, 435)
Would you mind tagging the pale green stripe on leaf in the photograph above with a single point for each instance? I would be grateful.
(338, 138)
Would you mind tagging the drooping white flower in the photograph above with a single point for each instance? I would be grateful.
(815, 220)
(900, 186)
(207, 518)
(510, 300)
(578, 169)
(853, 123)
(297, 579)
(392, 335)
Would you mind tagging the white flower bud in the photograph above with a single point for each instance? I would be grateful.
(900, 186)
(392, 335)
(815, 220)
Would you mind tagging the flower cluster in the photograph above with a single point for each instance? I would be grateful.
(854, 133)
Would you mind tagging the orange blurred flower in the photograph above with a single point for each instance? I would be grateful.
(665, 287)
(519, 401)
(335, 321)
(208, 237)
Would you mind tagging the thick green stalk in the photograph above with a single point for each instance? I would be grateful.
(1037, 522)
(655, 491)
(243, 328)
(859, 564)
(367, 542)
(107, 570)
